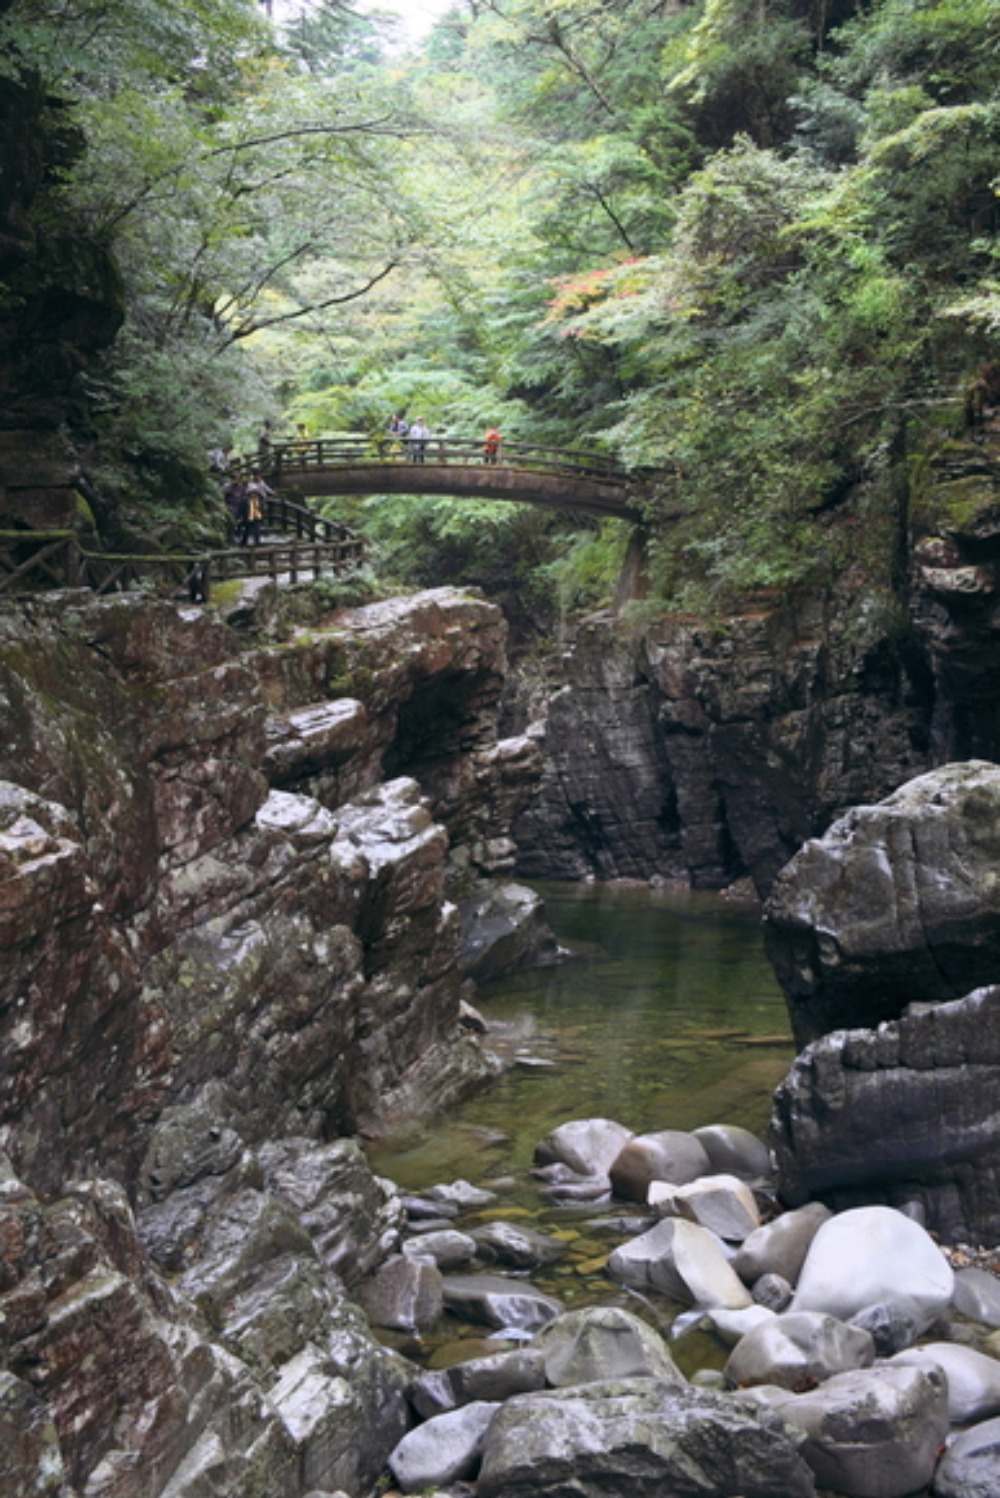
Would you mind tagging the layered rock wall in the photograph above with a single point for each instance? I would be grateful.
(229, 940)
(679, 751)
(170, 918)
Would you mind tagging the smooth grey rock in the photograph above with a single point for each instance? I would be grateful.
(499, 1376)
(722, 1203)
(638, 1438)
(891, 1327)
(431, 1393)
(798, 1351)
(578, 1189)
(970, 1468)
(670, 1155)
(733, 1150)
(493, 1301)
(733, 1326)
(461, 1194)
(682, 1260)
(873, 1256)
(772, 1291)
(503, 928)
(874, 1433)
(517, 1247)
(405, 1294)
(425, 1208)
(601, 1343)
(977, 1295)
(588, 1146)
(442, 1450)
(973, 1378)
(446, 1246)
(780, 1247)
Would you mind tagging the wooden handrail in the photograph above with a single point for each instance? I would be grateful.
(63, 562)
(358, 449)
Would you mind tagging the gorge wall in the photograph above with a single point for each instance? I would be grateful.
(231, 941)
(678, 750)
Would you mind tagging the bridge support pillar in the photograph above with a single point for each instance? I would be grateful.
(633, 581)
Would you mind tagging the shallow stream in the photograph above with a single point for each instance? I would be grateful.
(666, 1016)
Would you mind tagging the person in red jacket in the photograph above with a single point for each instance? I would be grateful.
(491, 446)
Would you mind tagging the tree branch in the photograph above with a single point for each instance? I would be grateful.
(333, 301)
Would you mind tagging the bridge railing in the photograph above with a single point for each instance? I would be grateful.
(34, 560)
(357, 450)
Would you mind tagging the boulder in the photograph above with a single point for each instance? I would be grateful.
(798, 1351)
(498, 1377)
(873, 1256)
(601, 1343)
(461, 1194)
(589, 1146)
(404, 1294)
(721, 1203)
(874, 1433)
(517, 1247)
(780, 1247)
(897, 902)
(733, 1150)
(682, 1260)
(973, 1378)
(638, 1438)
(733, 1326)
(503, 928)
(772, 1291)
(448, 1248)
(670, 1155)
(970, 1468)
(444, 1449)
(904, 1114)
(977, 1295)
(491, 1300)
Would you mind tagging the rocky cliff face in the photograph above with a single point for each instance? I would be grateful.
(229, 934)
(678, 751)
(885, 934)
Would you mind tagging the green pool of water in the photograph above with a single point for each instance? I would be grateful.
(666, 1016)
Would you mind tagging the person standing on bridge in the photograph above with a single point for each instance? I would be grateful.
(237, 504)
(418, 438)
(491, 445)
(258, 490)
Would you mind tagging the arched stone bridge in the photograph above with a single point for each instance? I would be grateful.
(564, 480)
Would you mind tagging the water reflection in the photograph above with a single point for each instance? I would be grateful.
(667, 1016)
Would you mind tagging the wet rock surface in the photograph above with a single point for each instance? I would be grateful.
(897, 903)
(676, 751)
(229, 934)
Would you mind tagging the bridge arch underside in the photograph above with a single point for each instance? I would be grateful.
(555, 491)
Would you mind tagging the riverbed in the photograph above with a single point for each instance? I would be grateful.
(665, 1014)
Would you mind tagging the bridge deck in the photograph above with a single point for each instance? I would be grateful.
(527, 475)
